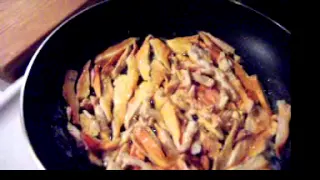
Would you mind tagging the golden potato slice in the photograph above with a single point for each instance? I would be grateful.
(121, 96)
(143, 59)
(106, 98)
(161, 52)
(221, 44)
(151, 145)
(83, 85)
(171, 121)
(114, 50)
(96, 80)
(70, 95)
(158, 72)
(182, 45)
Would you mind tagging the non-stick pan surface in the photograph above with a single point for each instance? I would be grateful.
(263, 45)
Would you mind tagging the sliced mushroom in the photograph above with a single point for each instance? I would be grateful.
(254, 163)
(207, 96)
(125, 148)
(239, 153)
(210, 145)
(187, 63)
(185, 79)
(94, 159)
(99, 114)
(195, 148)
(76, 134)
(284, 116)
(221, 161)
(224, 63)
(257, 120)
(224, 98)
(89, 125)
(168, 145)
(127, 160)
(198, 54)
(220, 77)
(179, 98)
(69, 113)
(187, 137)
(111, 165)
(236, 58)
(204, 80)
(259, 143)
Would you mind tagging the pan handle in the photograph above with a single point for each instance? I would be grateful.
(10, 91)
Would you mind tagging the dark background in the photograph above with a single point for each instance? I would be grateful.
(278, 10)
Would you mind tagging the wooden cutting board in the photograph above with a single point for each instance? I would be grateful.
(24, 24)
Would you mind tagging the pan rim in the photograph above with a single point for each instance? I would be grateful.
(261, 14)
(31, 149)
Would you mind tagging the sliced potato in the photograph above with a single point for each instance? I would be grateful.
(158, 72)
(182, 45)
(221, 44)
(122, 94)
(106, 98)
(114, 50)
(96, 80)
(90, 126)
(83, 85)
(171, 121)
(70, 95)
(143, 59)
(252, 84)
(161, 52)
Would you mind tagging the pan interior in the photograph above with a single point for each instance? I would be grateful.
(263, 46)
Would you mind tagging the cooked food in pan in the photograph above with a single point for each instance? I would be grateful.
(176, 104)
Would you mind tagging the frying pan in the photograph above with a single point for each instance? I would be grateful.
(262, 44)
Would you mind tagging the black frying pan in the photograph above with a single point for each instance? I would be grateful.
(263, 45)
